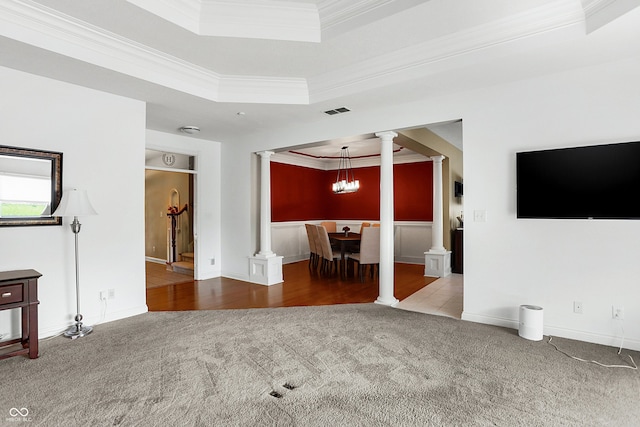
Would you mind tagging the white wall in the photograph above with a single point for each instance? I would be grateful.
(207, 196)
(550, 263)
(101, 137)
(508, 262)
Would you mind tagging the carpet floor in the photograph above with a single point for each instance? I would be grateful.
(345, 365)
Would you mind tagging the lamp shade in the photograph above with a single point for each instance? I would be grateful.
(74, 203)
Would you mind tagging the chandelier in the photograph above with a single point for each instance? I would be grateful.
(345, 180)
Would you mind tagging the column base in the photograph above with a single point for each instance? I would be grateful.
(390, 302)
(265, 270)
(437, 264)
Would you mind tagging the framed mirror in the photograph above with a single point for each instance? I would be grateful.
(30, 186)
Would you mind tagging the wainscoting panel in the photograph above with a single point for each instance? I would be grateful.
(412, 239)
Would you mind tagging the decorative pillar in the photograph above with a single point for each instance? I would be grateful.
(386, 281)
(265, 204)
(437, 261)
(265, 267)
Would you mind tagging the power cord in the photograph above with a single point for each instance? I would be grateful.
(634, 367)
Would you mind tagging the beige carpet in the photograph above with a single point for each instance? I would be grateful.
(346, 365)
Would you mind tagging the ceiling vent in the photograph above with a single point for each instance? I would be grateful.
(337, 111)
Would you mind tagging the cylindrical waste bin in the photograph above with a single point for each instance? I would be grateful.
(531, 322)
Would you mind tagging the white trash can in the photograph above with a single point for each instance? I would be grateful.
(531, 322)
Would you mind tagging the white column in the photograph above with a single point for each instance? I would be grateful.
(437, 261)
(437, 238)
(265, 267)
(265, 204)
(386, 286)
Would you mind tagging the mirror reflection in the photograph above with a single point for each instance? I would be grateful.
(30, 186)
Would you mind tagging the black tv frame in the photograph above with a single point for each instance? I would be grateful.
(590, 182)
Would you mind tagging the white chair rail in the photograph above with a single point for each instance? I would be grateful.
(411, 239)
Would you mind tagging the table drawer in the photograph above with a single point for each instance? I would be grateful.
(10, 294)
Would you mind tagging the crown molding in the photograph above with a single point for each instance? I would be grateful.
(332, 164)
(302, 161)
(444, 52)
(40, 26)
(263, 19)
(599, 13)
(335, 12)
(184, 13)
(338, 16)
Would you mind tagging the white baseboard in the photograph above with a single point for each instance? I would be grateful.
(59, 328)
(550, 330)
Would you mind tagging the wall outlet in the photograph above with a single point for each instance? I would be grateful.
(577, 307)
(213, 261)
(112, 293)
(617, 312)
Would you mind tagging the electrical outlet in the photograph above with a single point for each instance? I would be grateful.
(617, 312)
(577, 307)
(213, 261)
(112, 293)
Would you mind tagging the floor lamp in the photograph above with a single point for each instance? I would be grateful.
(76, 203)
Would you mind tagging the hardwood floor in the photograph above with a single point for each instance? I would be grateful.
(301, 287)
(158, 275)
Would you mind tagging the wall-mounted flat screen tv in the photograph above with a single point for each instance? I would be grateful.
(594, 182)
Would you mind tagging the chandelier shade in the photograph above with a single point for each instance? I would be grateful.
(345, 179)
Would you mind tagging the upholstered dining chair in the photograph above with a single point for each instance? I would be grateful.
(329, 225)
(330, 257)
(369, 251)
(363, 225)
(314, 250)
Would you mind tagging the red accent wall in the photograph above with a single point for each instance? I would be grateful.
(301, 194)
(297, 193)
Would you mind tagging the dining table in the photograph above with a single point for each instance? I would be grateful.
(344, 239)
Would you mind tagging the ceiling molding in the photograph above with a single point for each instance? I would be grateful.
(40, 26)
(442, 52)
(332, 164)
(338, 16)
(599, 13)
(335, 12)
(184, 13)
(303, 161)
(262, 19)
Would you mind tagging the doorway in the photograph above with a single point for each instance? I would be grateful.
(169, 225)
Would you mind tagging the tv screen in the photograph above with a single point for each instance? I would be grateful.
(599, 182)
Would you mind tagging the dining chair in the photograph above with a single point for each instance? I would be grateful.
(314, 251)
(330, 257)
(363, 225)
(369, 251)
(329, 225)
(377, 224)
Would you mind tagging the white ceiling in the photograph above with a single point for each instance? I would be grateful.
(201, 62)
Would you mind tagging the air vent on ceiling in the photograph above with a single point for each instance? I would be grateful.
(337, 111)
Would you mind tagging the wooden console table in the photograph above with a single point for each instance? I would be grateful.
(19, 289)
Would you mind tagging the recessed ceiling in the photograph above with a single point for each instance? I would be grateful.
(361, 53)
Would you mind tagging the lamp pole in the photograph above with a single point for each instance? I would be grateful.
(77, 330)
